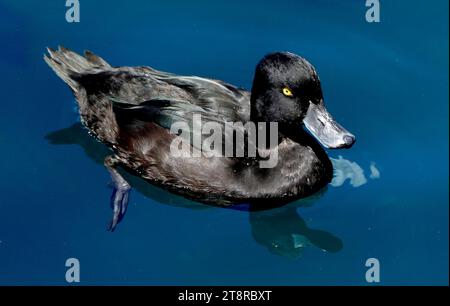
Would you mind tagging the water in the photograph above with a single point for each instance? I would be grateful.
(387, 83)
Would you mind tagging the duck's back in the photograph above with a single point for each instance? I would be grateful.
(98, 86)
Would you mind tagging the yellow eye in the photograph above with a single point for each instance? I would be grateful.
(287, 92)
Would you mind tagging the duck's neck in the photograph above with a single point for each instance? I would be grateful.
(258, 107)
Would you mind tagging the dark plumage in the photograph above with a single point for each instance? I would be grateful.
(131, 109)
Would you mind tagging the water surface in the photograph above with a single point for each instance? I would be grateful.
(387, 83)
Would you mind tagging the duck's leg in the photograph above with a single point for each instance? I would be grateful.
(120, 195)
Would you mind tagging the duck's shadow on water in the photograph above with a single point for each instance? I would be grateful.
(281, 230)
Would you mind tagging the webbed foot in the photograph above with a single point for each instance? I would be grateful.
(120, 195)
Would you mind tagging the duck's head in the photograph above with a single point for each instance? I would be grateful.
(286, 89)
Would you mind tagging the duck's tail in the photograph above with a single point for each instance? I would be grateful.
(71, 68)
(68, 65)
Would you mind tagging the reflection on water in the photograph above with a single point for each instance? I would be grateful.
(374, 172)
(345, 169)
(283, 231)
(280, 230)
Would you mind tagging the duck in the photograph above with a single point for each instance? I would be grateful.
(132, 110)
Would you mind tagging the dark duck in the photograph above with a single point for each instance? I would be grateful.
(131, 110)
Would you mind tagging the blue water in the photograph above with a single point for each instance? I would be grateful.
(385, 82)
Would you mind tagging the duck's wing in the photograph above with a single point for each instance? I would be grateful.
(143, 94)
(213, 96)
(180, 117)
(135, 85)
(103, 90)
